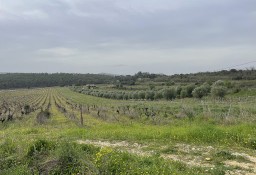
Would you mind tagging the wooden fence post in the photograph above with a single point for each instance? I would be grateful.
(81, 115)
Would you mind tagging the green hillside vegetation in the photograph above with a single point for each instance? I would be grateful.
(27, 80)
(218, 89)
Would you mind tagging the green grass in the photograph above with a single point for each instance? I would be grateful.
(27, 147)
(245, 93)
(53, 149)
(197, 131)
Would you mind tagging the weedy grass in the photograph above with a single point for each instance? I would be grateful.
(65, 157)
(27, 147)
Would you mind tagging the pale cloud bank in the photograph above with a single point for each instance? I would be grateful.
(124, 37)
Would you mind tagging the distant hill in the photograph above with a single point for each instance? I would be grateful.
(27, 80)
(233, 74)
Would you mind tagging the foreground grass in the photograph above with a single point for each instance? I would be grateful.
(195, 133)
(51, 157)
(29, 148)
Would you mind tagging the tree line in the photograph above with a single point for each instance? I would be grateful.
(27, 80)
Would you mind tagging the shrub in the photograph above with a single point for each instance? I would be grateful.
(218, 91)
(183, 93)
(135, 95)
(219, 83)
(190, 89)
(186, 91)
(130, 95)
(201, 91)
(106, 95)
(207, 87)
(42, 116)
(113, 95)
(158, 95)
(125, 96)
(169, 94)
(178, 91)
(119, 96)
(40, 146)
(152, 86)
(150, 95)
(68, 158)
(228, 84)
(74, 159)
(65, 158)
(198, 92)
(27, 109)
(170, 83)
(142, 95)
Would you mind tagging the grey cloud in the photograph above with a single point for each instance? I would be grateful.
(89, 35)
(119, 65)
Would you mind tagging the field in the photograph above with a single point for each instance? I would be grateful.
(60, 131)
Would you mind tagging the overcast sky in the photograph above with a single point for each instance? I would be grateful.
(126, 36)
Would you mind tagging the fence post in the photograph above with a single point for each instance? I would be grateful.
(81, 115)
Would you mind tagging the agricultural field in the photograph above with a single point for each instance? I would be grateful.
(71, 130)
(126, 87)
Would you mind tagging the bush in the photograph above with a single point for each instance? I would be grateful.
(186, 91)
(207, 87)
(169, 94)
(130, 95)
(198, 92)
(125, 96)
(65, 158)
(68, 158)
(40, 146)
(183, 93)
(218, 91)
(119, 96)
(178, 91)
(158, 95)
(27, 109)
(190, 89)
(135, 95)
(142, 95)
(170, 83)
(42, 116)
(201, 91)
(219, 83)
(150, 95)
(74, 159)
(228, 84)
